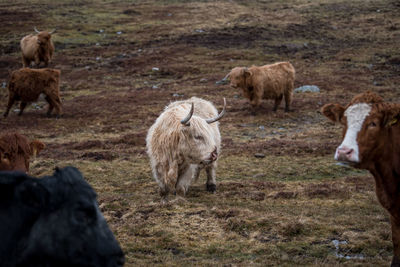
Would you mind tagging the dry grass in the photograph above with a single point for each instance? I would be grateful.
(284, 209)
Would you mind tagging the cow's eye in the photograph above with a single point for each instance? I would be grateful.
(199, 137)
(371, 125)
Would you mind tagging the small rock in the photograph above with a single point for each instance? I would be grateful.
(169, 14)
(3, 85)
(97, 44)
(259, 155)
(98, 58)
(155, 69)
(203, 80)
(101, 30)
(199, 30)
(119, 33)
(307, 88)
(261, 127)
(177, 95)
(154, 86)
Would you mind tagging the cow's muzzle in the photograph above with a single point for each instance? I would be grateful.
(213, 157)
(345, 154)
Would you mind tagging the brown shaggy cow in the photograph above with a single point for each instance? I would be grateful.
(27, 84)
(37, 48)
(371, 141)
(273, 81)
(16, 150)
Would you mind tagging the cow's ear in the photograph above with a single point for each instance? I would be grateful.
(36, 146)
(32, 193)
(246, 72)
(334, 112)
(391, 118)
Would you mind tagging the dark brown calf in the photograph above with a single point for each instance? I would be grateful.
(26, 85)
(371, 141)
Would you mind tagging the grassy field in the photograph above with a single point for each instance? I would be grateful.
(288, 208)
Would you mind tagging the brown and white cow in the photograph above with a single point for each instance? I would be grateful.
(273, 81)
(37, 48)
(184, 139)
(371, 141)
(16, 150)
(26, 85)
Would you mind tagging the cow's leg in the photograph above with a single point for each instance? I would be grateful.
(22, 106)
(278, 101)
(211, 184)
(288, 99)
(184, 181)
(9, 105)
(55, 101)
(51, 106)
(37, 61)
(196, 172)
(168, 174)
(396, 241)
(25, 62)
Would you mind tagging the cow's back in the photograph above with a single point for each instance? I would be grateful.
(275, 78)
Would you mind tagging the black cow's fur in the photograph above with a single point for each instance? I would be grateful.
(53, 221)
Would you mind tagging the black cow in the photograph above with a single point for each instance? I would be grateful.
(53, 221)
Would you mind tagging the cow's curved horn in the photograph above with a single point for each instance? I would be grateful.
(220, 114)
(53, 31)
(185, 121)
(36, 30)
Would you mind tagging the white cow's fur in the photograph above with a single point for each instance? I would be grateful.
(177, 152)
(356, 115)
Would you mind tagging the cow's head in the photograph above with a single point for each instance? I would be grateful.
(198, 143)
(367, 121)
(239, 77)
(43, 37)
(16, 150)
(64, 226)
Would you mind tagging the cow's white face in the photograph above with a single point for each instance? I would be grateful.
(349, 149)
(198, 143)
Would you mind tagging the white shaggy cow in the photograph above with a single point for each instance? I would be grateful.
(184, 139)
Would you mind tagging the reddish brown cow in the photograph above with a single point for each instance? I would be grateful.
(27, 84)
(371, 141)
(37, 48)
(16, 150)
(273, 81)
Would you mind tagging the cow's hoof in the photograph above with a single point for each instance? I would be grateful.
(211, 188)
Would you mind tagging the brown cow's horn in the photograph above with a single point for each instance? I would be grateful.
(220, 114)
(53, 31)
(185, 121)
(36, 30)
